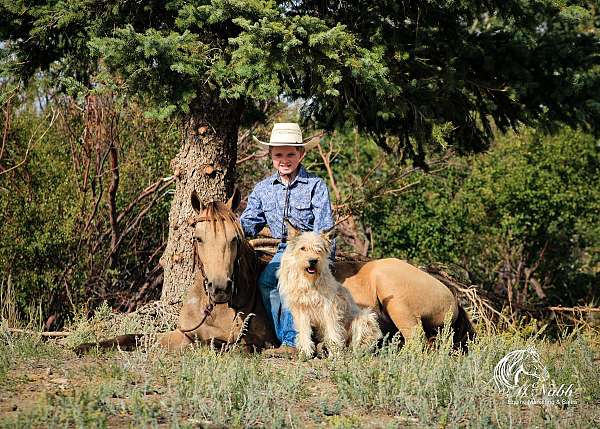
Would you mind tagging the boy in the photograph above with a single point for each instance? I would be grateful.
(290, 193)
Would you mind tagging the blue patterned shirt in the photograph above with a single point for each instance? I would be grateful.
(309, 208)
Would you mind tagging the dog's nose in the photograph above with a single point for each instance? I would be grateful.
(312, 262)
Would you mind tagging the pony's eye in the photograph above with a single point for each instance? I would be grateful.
(303, 248)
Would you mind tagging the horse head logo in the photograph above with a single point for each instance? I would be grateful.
(518, 368)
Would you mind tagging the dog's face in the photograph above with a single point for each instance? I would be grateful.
(310, 251)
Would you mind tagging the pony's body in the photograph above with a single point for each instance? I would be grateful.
(317, 300)
(404, 297)
(223, 325)
(223, 306)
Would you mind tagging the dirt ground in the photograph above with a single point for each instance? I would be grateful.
(42, 380)
(45, 384)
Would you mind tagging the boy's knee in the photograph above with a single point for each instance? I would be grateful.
(267, 286)
(268, 278)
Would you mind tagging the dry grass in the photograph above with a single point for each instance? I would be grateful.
(44, 384)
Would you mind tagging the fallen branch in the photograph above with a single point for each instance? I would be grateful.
(43, 334)
(575, 309)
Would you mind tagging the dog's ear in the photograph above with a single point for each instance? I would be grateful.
(291, 229)
(234, 200)
(196, 203)
(329, 234)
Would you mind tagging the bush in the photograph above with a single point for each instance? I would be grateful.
(524, 216)
(53, 240)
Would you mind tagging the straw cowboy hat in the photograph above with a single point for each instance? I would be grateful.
(287, 134)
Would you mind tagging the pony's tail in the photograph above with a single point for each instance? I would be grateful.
(463, 330)
(365, 329)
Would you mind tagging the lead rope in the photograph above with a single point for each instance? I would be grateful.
(208, 309)
(207, 312)
(285, 214)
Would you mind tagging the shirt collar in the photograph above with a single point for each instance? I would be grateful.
(302, 176)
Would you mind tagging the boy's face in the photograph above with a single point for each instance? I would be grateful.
(286, 158)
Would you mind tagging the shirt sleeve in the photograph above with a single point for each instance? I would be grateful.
(253, 218)
(323, 212)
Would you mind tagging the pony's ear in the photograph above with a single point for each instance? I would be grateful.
(292, 230)
(196, 203)
(329, 234)
(234, 200)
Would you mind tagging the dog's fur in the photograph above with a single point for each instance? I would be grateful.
(316, 299)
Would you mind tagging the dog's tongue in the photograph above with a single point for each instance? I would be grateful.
(311, 270)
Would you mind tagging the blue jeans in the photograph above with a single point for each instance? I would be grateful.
(269, 291)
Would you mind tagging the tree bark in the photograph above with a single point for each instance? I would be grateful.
(205, 163)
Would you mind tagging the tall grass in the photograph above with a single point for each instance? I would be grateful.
(438, 387)
(415, 384)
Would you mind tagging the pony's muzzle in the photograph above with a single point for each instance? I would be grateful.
(220, 292)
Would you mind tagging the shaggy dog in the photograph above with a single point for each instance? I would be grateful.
(316, 299)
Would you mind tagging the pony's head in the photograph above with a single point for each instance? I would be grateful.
(309, 251)
(218, 239)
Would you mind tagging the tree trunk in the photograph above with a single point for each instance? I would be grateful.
(205, 163)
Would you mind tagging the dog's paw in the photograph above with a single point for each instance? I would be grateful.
(322, 350)
(326, 351)
(306, 351)
(304, 357)
(334, 350)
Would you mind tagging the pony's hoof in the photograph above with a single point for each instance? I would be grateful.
(83, 348)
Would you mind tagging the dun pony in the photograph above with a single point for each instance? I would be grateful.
(317, 300)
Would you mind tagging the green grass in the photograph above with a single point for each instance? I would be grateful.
(414, 385)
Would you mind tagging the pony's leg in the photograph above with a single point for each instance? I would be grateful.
(403, 318)
(174, 340)
(304, 341)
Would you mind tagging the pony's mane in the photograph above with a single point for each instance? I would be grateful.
(220, 214)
